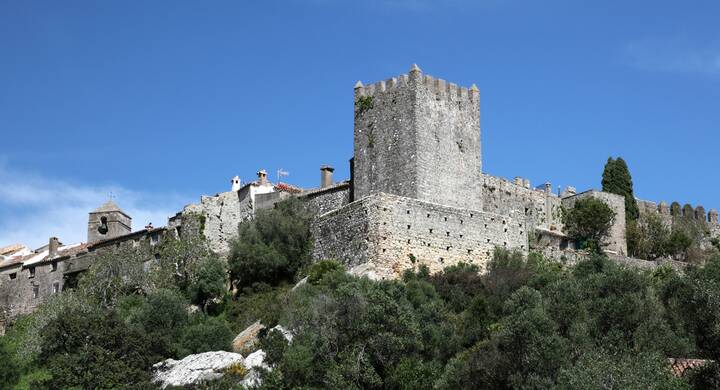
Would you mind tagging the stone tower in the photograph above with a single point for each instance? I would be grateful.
(418, 137)
(107, 221)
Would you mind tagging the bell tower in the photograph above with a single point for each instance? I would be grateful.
(107, 221)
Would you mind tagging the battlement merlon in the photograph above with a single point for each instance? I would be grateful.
(434, 85)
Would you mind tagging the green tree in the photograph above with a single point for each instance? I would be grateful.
(209, 282)
(10, 372)
(90, 347)
(616, 179)
(180, 262)
(272, 247)
(162, 317)
(588, 222)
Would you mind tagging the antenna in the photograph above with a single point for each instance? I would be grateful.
(281, 173)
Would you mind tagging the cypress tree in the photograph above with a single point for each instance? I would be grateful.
(616, 179)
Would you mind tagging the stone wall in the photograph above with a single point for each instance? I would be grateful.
(324, 200)
(616, 242)
(396, 233)
(539, 208)
(222, 213)
(418, 137)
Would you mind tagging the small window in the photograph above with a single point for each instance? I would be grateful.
(36, 291)
(178, 230)
(32, 272)
(55, 287)
(53, 266)
(154, 239)
(13, 275)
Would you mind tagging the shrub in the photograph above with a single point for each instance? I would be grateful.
(204, 334)
(320, 269)
(272, 247)
(208, 283)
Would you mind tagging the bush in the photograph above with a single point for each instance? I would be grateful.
(272, 247)
(89, 347)
(320, 269)
(204, 334)
(162, 317)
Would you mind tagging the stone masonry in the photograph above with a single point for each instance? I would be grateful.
(416, 195)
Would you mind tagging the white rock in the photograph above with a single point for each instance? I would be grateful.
(194, 369)
(285, 332)
(256, 359)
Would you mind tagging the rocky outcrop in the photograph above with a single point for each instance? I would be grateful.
(194, 369)
(248, 338)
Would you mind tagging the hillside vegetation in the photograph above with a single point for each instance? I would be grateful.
(526, 323)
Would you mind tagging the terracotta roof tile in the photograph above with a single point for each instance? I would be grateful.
(680, 366)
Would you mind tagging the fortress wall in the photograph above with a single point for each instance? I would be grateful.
(328, 199)
(616, 241)
(396, 233)
(538, 208)
(345, 235)
(223, 212)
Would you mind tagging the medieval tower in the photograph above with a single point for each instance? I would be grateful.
(418, 137)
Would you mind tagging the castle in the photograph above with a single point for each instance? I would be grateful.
(416, 195)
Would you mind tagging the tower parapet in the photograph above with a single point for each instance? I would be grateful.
(418, 137)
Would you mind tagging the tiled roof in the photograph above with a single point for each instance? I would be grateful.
(681, 366)
(11, 250)
(38, 257)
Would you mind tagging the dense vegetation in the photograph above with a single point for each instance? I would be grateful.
(525, 323)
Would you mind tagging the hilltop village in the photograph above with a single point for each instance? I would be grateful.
(417, 195)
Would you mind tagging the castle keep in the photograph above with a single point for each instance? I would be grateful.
(417, 195)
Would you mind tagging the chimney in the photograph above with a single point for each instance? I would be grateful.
(53, 246)
(262, 177)
(326, 173)
(235, 184)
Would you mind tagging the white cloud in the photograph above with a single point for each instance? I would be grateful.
(674, 55)
(33, 207)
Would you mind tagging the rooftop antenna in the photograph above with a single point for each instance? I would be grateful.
(111, 195)
(281, 173)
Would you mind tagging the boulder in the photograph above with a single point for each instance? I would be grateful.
(253, 362)
(194, 369)
(248, 338)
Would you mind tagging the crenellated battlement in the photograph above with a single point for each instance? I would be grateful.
(662, 208)
(433, 85)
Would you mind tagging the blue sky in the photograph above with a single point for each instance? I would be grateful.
(160, 102)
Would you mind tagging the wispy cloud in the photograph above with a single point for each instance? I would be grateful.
(674, 55)
(34, 207)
